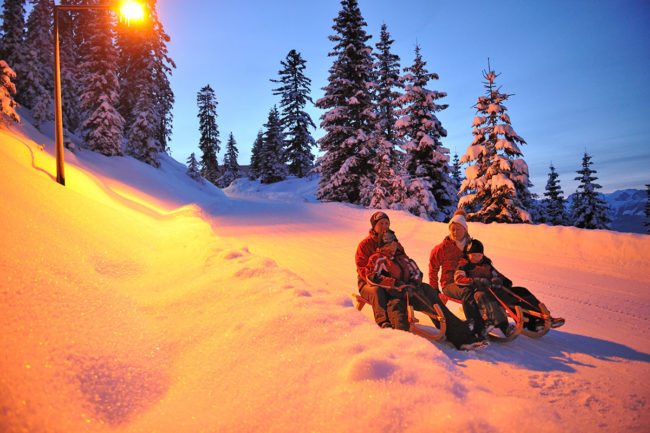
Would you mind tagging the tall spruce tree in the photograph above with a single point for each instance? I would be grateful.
(254, 168)
(12, 41)
(144, 67)
(389, 188)
(193, 169)
(230, 165)
(431, 193)
(36, 83)
(497, 181)
(163, 68)
(271, 158)
(142, 140)
(553, 205)
(102, 126)
(70, 48)
(349, 118)
(456, 174)
(588, 209)
(209, 142)
(294, 93)
(7, 91)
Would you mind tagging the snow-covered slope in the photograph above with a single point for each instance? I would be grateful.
(133, 300)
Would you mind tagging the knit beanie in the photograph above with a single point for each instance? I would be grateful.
(376, 217)
(475, 246)
(459, 218)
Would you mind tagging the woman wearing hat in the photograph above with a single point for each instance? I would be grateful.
(375, 295)
(444, 260)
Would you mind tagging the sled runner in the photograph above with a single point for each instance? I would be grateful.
(414, 327)
(540, 312)
(515, 314)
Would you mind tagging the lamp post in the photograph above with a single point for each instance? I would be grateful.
(129, 10)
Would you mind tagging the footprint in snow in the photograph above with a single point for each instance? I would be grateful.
(364, 368)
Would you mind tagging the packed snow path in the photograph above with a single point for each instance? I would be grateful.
(134, 301)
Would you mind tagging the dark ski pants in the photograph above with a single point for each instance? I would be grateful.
(458, 332)
(520, 296)
(470, 307)
(387, 305)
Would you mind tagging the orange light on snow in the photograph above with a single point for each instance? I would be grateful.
(131, 10)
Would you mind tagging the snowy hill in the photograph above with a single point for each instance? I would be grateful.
(135, 300)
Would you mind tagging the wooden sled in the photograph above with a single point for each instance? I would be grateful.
(541, 312)
(414, 326)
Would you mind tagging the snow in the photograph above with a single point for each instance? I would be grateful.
(500, 180)
(136, 300)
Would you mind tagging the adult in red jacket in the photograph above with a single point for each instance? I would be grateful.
(444, 258)
(375, 295)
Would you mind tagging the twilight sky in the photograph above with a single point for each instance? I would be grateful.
(578, 71)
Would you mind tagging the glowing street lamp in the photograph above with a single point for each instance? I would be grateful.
(127, 10)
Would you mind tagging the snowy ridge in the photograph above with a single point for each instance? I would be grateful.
(627, 209)
(151, 303)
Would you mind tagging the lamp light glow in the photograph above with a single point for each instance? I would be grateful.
(130, 10)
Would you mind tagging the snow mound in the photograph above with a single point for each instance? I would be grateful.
(134, 300)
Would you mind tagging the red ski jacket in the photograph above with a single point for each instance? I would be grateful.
(367, 248)
(383, 272)
(445, 255)
(389, 272)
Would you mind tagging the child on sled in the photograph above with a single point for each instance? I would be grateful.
(476, 271)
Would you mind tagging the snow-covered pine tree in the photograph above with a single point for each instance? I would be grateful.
(7, 90)
(13, 36)
(137, 67)
(102, 125)
(254, 168)
(553, 206)
(496, 181)
(163, 67)
(193, 169)
(271, 158)
(349, 118)
(456, 174)
(142, 140)
(431, 192)
(134, 49)
(37, 80)
(588, 209)
(389, 188)
(209, 141)
(70, 46)
(294, 93)
(230, 165)
(145, 66)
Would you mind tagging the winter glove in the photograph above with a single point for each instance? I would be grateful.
(497, 282)
(481, 283)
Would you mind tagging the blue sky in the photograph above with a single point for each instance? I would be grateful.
(578, 70)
